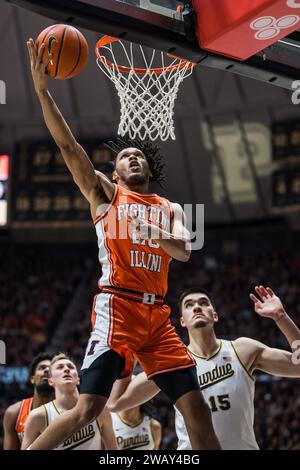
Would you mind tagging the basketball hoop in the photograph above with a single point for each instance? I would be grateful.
(147, 93)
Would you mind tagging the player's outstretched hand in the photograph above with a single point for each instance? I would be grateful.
(267, 304)
(38, 68)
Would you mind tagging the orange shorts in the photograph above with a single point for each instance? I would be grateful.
(136, 331)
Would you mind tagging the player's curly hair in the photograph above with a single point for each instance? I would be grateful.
(152, 153)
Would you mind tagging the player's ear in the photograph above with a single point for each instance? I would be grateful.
(50, 382)
(182, 322)
(216, 317)
(115, 176)
(32, 379)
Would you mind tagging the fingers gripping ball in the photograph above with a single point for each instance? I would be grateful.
(69, 51)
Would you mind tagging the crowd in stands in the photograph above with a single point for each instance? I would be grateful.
(34, 292)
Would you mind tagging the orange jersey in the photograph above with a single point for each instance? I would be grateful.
(128, 263)
(22, 417)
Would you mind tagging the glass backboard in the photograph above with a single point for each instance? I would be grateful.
(161, 7)
(156, 24)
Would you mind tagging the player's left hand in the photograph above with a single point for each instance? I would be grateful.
(267, 304)
(142, 229)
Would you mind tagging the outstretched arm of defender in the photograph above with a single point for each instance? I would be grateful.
(74, 155)
(268, 305)
(258, 356)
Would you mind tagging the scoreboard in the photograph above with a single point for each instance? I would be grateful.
(43, 190)
(286, 159)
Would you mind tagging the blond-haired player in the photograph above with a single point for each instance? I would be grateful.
(64, 379)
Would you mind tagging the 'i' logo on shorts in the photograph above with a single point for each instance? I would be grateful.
(92, 348)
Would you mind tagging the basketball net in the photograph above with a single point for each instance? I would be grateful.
(147, 94)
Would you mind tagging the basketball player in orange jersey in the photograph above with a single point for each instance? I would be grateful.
(129, 317)
(17, 414)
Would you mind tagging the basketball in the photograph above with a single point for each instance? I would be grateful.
(69, 50)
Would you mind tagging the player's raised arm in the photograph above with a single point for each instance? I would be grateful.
(74, 155)
(258, 356)
(268, 305)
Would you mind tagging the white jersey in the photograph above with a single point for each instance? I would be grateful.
(229, 390)
(87, 438)
(133, 437)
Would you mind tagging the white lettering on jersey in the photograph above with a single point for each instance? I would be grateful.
(149, 261)
(156, 215)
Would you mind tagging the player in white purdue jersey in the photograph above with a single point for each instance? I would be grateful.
(135, 429)
(224, 368)
(64, 379)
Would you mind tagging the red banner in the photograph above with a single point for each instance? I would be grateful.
(242, 28)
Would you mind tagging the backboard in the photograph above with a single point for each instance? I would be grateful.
(162, 7)
(156, 24)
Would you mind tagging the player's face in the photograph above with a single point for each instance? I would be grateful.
(64, 372)
(41, 374)
(132, 167)
(40, 378)
(197, 312)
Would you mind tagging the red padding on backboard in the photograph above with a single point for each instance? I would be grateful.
(242, 28)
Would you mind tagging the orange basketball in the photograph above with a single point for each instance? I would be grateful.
(69, 50)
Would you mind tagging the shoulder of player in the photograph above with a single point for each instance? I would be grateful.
(37, 412)
(37, 417)
(246, 344)
(247, 350)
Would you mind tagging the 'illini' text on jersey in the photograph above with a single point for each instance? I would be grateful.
(126, 262)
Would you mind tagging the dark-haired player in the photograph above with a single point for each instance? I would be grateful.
(225, 368)
(138, 235)
(136, 429)
(16, 415)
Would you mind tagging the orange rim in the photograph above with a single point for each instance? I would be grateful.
(105, 40)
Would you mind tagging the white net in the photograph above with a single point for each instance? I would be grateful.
(147, 93)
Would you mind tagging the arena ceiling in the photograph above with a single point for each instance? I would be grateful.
(200, 169)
